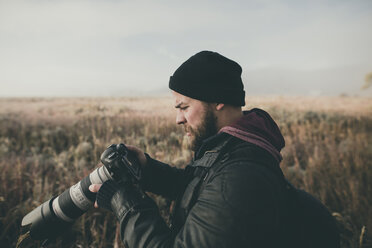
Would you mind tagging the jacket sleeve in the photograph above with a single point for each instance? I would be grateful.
(162, 179)
(236, 208)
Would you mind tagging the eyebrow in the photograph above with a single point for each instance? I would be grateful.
(179, 105)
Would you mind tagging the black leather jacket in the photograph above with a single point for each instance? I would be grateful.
(229, 196)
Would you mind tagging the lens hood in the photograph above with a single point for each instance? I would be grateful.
(43, 223)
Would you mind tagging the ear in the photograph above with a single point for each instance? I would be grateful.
(220, 106)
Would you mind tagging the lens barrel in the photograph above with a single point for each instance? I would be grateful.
(54, 215)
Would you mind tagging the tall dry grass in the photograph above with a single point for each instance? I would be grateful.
(47, 145)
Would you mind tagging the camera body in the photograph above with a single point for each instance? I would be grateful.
(121, 164)
(55, 215)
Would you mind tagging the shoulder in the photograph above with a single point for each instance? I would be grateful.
(244, 188)
(244, 177)
(241, 158)
(239, 149)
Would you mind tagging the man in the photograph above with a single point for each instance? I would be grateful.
(233, 192)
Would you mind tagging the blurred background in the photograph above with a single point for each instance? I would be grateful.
(116, 48)
(78, 75)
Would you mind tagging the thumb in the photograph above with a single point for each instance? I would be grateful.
(95, 187)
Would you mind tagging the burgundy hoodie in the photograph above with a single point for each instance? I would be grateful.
(257, 127)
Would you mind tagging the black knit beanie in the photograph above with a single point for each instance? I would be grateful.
(209, 77)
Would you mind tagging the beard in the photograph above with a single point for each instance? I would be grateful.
(206, 129)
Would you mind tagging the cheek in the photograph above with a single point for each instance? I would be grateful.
(194, 118)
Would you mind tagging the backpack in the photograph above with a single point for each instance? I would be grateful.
(307, 221)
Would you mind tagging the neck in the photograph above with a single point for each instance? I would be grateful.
(228, 116)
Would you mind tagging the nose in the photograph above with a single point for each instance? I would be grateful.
(180, 119)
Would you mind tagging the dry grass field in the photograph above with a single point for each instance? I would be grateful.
(48, 144)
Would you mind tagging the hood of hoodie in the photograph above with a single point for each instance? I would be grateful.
(257, 127)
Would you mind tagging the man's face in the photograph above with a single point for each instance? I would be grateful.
(198, 118)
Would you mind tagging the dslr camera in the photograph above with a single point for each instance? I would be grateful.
(52, 217)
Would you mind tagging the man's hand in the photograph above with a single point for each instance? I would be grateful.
(95, 188)
(142, 163)
(139, 154)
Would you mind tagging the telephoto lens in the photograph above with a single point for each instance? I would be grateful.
(53, 216)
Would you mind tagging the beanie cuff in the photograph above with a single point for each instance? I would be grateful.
(208, 93)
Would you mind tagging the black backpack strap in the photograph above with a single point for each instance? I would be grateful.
(201, 169)
(190, 192)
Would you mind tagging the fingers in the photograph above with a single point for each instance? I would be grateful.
(134, 149)
(139, 153)
(95, 187)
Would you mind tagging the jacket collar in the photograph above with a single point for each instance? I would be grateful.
(213, 144)
(255, 127)
(258, 128)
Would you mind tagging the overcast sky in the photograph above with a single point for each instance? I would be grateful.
(113, 47)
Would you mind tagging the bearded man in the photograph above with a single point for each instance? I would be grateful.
(232, 194)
